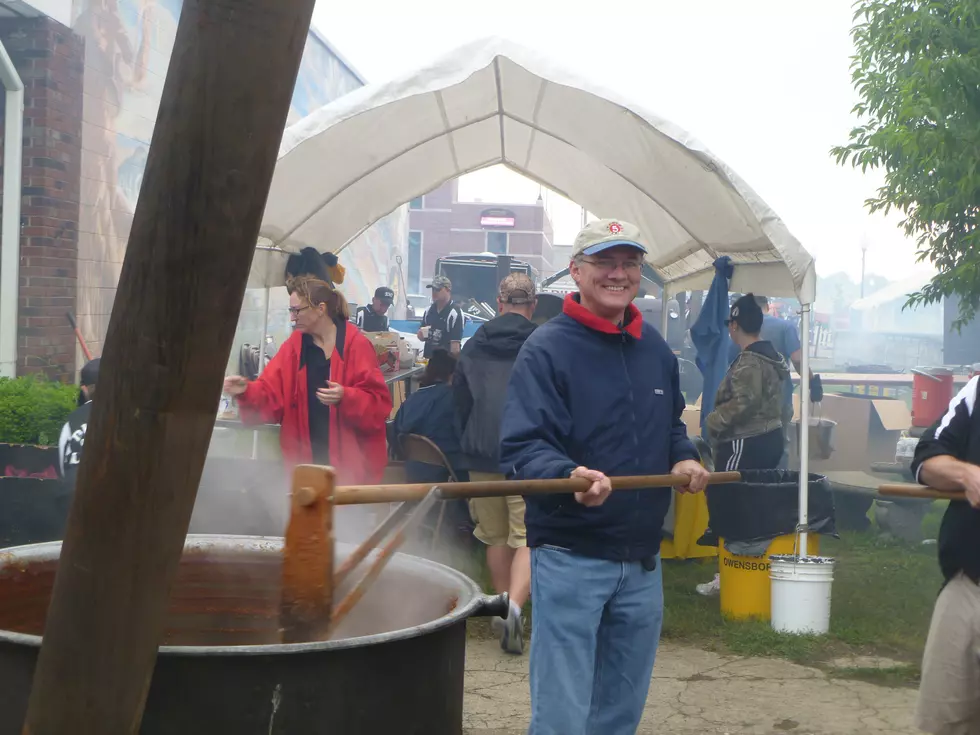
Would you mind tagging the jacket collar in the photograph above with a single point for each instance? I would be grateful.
(634, 320)
(307, 343)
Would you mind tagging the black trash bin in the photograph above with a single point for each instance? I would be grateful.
(764, 505)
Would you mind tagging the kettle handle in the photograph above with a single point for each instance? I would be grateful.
(492, 605)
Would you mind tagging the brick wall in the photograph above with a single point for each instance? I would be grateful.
(49, 58)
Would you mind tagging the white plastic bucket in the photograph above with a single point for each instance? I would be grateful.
(801, 593)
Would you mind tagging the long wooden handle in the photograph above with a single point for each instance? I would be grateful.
(78, 336)
(905, 490)
(358, 494)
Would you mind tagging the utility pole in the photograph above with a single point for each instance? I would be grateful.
(864, 256)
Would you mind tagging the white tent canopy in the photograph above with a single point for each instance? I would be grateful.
(355, 160)
(347, 165)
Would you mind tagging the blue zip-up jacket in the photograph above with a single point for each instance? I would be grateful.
(584, 392)
(431, 412)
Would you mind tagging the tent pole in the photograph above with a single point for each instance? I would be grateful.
(663, 313)
(804, 430)
(265, 334)
(208, 173)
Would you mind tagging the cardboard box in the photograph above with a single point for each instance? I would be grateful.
(868, 429)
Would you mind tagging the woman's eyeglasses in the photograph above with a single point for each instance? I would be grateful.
(295, 310)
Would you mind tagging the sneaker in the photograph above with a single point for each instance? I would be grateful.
(497, 625)
(512, 631)
(710, 588)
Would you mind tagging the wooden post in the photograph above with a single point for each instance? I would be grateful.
(211, 161)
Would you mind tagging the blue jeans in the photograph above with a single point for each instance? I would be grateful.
(593, 642)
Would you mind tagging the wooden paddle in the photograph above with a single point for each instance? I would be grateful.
(308, 557)
(357, 494)
(908, 490)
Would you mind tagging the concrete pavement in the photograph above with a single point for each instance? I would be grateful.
(696, 692)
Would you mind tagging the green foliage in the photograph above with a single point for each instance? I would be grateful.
(917, 71)
(33, 411)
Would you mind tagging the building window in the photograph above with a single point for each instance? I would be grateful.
(415, 262)
(497, 242)
(417, 203)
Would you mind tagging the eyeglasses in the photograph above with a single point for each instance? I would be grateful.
(295, 310)
(608, 265)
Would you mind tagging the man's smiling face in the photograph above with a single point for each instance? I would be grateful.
(608, 281)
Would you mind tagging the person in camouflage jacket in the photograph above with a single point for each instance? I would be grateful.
(745, 427)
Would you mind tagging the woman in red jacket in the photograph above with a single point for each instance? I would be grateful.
(324, 387)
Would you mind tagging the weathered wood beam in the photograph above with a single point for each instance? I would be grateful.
(211, 160)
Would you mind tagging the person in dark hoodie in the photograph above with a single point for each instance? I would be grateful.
(745, 428)
(430, 412)
(72, 439)
(480, 387)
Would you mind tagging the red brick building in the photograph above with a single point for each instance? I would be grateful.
(91, 96)
(50, 61)
(441, 225)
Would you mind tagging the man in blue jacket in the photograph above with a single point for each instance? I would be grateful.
(595, 393)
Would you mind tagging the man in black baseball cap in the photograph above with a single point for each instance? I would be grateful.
(374, 318)
(72, 438)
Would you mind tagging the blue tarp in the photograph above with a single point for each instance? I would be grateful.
(710, 336)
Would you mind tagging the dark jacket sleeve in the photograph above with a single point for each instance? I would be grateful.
(536, 422)
(456, 328)
(462, 396)
(951, 434)
(681, 446)
(63, 440)
(405, 417)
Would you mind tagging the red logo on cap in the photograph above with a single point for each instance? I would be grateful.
(615, 228)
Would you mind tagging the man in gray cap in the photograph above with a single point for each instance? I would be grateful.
(442, 325)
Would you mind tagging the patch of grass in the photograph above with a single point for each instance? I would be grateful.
(883, 593)
(882, 599)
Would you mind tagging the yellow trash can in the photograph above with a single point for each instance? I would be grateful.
(745, 585)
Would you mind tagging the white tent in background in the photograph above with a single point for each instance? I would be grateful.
(353, 161)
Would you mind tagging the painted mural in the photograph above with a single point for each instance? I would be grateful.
(128, 47)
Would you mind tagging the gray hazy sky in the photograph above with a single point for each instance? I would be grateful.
(764, 84)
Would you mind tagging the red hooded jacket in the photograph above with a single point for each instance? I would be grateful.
(358, 450)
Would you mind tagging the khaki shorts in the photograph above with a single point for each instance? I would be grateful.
(949, 694)
(499, 521)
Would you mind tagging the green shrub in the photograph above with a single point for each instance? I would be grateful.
(32, 411)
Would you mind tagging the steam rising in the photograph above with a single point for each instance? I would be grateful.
(245, 497)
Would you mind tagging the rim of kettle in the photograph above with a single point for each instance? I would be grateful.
(273, 544)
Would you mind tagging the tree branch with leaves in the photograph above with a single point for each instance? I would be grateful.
(917, 71)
